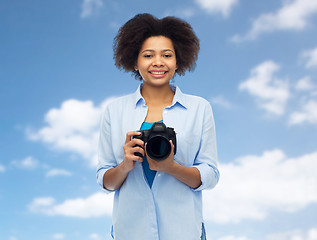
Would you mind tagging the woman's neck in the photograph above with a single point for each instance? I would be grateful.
(157, 95)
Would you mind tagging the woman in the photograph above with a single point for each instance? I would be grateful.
(157, 199)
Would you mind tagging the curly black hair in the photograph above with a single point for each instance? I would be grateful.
(128, 42)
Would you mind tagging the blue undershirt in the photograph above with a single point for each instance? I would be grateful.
(149, 174)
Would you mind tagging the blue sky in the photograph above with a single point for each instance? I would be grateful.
(257, 66)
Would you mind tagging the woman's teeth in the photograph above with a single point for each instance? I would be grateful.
(158, 73)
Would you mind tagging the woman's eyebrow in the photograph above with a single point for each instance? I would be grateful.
(151, 50)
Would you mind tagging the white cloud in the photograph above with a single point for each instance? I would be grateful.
(58, 236)
(29, 163)
(307, 114)
(184, 12)
(311, 57)
(90, 7)
(95, 236)
(254, 186)
(218, 6)
(310, 234)
(73, 127)
(2, 168)
(58, 172)
(292, 16)
(41, 204)
(307, 102)
(231, 237)
(96, 205)
(221, 101)
(305, 84)
(270, 92)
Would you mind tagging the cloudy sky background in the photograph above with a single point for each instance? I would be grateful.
(257, 67)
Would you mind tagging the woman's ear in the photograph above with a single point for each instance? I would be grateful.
(136, 67)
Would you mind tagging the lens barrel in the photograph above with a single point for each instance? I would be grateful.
(158, 148)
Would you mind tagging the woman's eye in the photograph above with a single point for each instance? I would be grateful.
(167, 55)
(147, 55)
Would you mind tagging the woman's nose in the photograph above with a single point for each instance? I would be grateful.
(157, 61)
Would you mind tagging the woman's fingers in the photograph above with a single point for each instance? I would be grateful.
(133, 148)
(130, 135)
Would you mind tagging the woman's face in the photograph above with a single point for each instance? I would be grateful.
(156, 62)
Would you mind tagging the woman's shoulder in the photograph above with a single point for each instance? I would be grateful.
(195, 103)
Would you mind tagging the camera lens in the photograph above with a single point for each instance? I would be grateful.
(158, 148)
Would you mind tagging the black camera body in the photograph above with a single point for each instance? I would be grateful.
(157, 138)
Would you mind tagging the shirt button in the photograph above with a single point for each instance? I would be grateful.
(159, 174)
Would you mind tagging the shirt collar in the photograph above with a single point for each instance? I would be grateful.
(179, 97)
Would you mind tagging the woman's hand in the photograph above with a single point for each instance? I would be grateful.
(130, 148)
(114, 177)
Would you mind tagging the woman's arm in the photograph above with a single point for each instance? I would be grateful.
(114, 177)
(188, 175)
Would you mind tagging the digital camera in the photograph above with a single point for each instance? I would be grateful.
(157, 138)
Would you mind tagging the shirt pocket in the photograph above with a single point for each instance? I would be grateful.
(187, 148)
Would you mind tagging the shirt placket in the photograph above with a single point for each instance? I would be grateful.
(139, 119)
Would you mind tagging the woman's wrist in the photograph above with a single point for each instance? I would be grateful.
(188, 175)
(173, 169)
(124, 167)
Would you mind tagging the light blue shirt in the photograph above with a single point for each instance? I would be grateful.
(170, 209)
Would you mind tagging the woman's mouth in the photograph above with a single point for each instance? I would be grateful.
(158, 74)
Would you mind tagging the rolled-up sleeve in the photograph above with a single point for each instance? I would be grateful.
(206, 159)
(106, 158)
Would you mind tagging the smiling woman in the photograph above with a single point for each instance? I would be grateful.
(156, 62)
(157, 199)
(128, 44)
